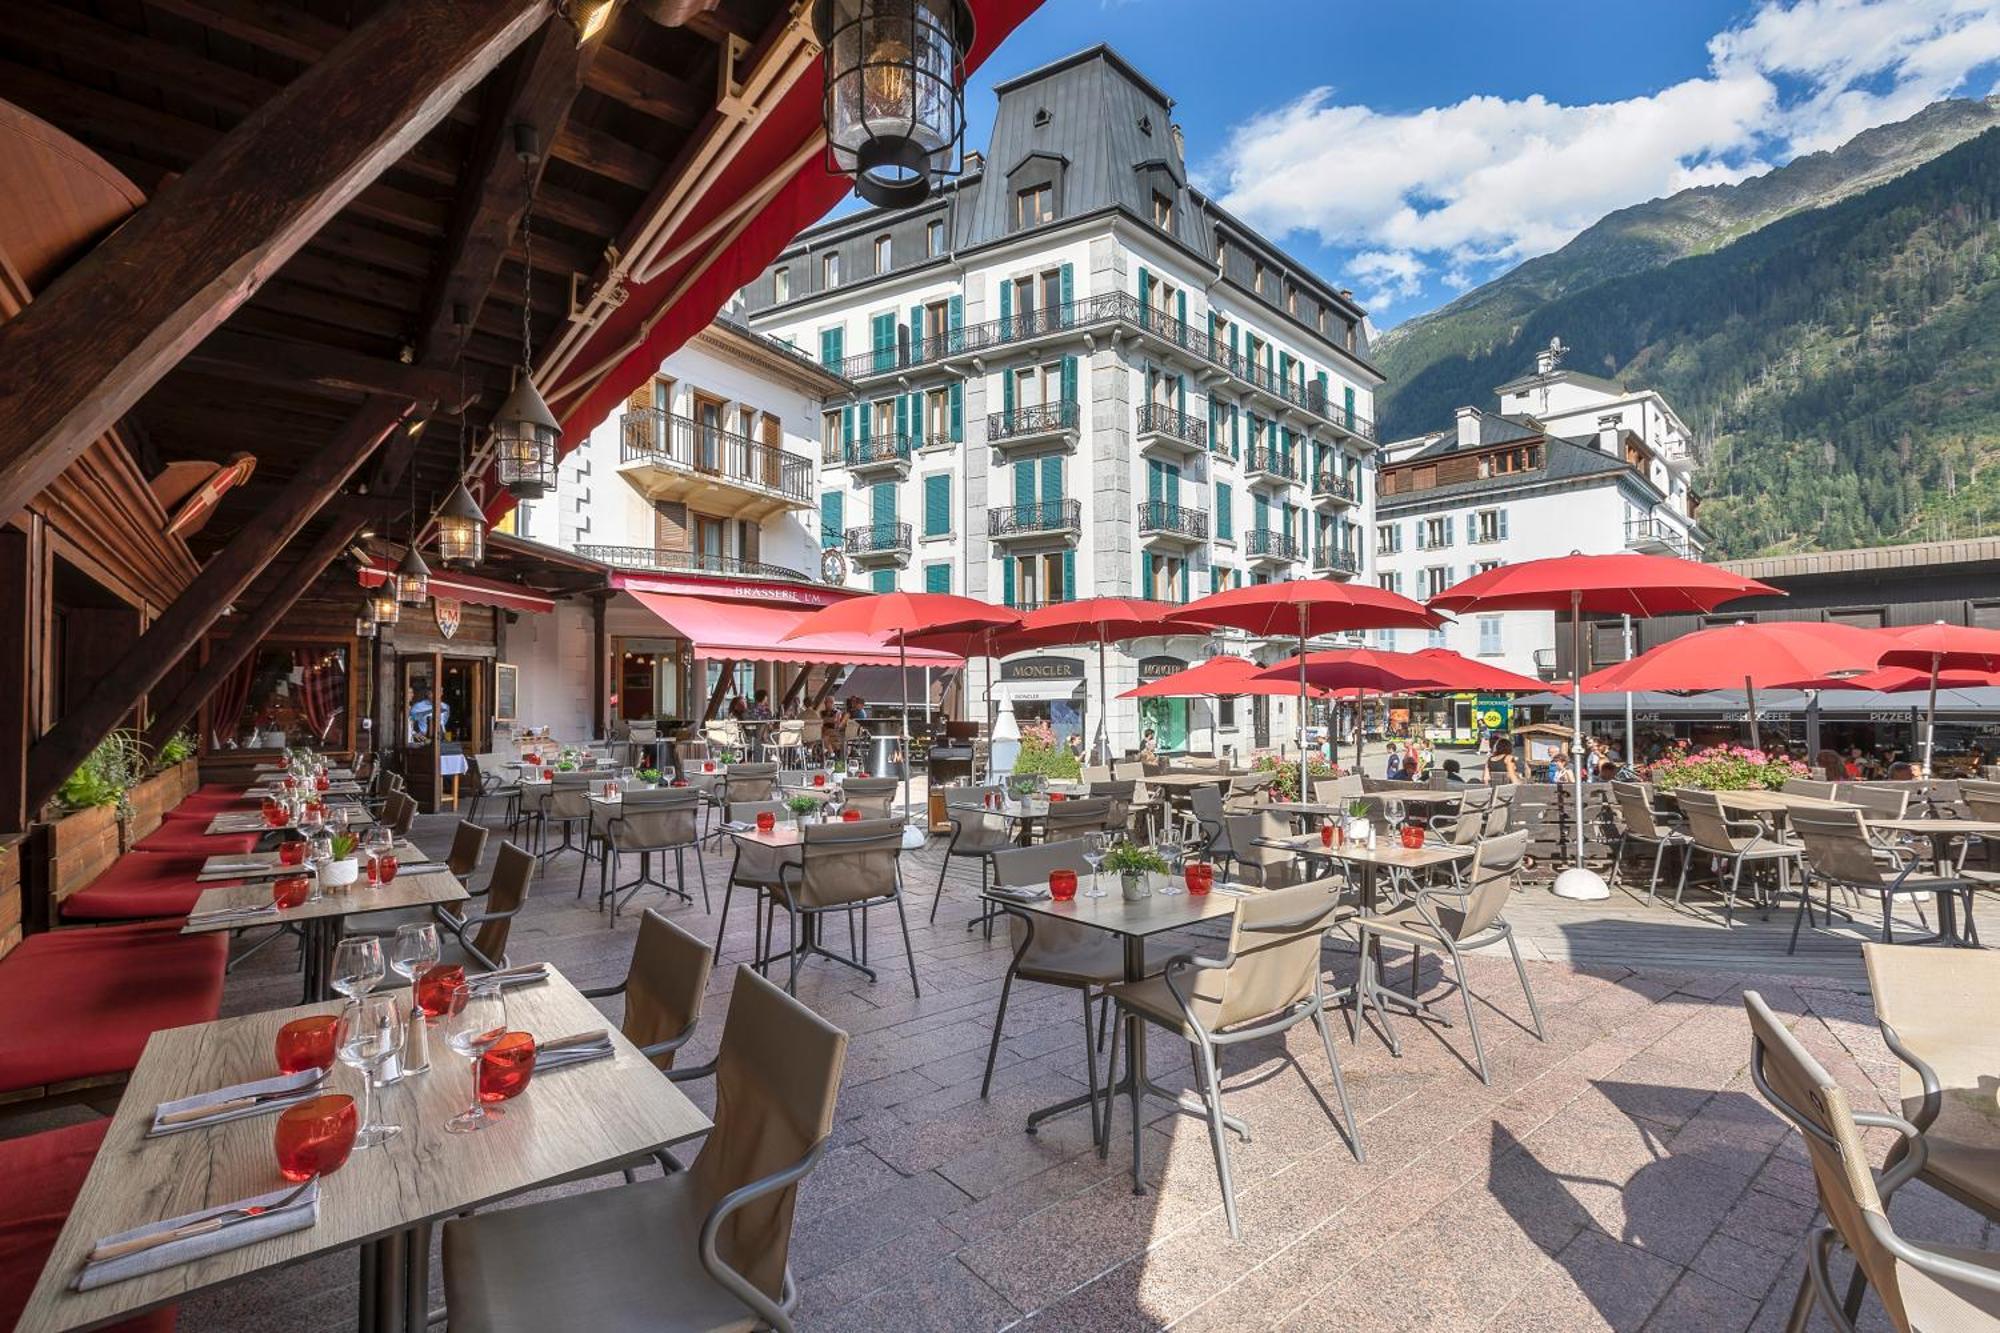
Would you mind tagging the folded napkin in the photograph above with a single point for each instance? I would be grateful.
(738, 825)
(512, 976)
(272, 1094)
(238, 867)
(419, 867)
(575, 1052)
(232, 914)
(295, 1215)
(1018, 893)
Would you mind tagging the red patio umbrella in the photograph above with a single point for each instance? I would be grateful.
(1624, 584)
(1456, 671)
(1937, 647)
(1304, 608)
(1099, 620)
(1219, 677)
(1357, 673)
(896, 615)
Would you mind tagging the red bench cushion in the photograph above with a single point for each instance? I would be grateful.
(44, 1173)
(81, 1003)
(139, 886)
(180, 837)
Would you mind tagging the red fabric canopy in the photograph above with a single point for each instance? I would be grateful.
(1218, 677)
(1456, 671)
(741, 631)
(1764, 655)
(1099, 620)
(1625, 584)
(1299, 608)
(467, 588)
(888, 614)
(1941, 647)
(1369, 669)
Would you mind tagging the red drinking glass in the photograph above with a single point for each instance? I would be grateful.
(321, 783)
(1326, 834)
(385, 868)
(548, 775)
(436, 987)
(1062, 885)
(678, 782)
(306, 1043)
(315, 1137)
(292, 853)
(850, 816)
(1413, 836)
(708, 765)
(766, 821)
(506, 1067)
(819, 779)
(291, 783)
(1055, 796)
(1200, 876)
(291, 890)
(532, 759)
(276, 815)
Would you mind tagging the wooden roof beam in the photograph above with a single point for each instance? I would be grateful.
(103, 333)
(289, 364)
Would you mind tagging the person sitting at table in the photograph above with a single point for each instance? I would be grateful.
(1452, 777)
(1560, 768)
(760, 707)
(1393, 770)
(856, 709)
(1902, 771)
(1149, 747)
(1830, 765)
(831, 719)
(738, 710)
(1501, 766)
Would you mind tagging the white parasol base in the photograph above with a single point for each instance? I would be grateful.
(1582, 884)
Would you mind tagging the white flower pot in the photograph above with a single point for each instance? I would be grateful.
(1132, 884)
(1357, 831)
(339, 874)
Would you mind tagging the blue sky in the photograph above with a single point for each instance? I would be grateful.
(1412, 149)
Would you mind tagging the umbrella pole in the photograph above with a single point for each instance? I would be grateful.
(1576, 712)
(1305, 778)
(903, 670)
(1930, 718)
(1104, 705)
(1750, 693)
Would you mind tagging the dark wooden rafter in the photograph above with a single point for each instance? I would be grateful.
(344, 524)
(220, 582)
(282, 362)
(105, 332)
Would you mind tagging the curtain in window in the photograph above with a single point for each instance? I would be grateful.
(225, 706)
(322, 690)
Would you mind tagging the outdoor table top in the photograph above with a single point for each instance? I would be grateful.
(1154, 914)
(1386, 852)
(783, 835)
(334, 788)
(217, 866)
(1187, 779)
(576, 1120)
(337, 774)
(424, 890)
(1777, 801)
(252, 821)
(1934, 827)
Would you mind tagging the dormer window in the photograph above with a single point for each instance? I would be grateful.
(1257, 276)
(934, 237)
(1034, 206)
(881, 254)
(829, 270)
(1042, 117)
(1163, 213)
(781, 284)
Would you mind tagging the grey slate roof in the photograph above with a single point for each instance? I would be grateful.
(1563, 460)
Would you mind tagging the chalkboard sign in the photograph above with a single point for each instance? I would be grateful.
(506, 691)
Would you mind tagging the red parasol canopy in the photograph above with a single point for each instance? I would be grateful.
(1369, 669)
(1100, 620)
(1459, 672)
(1940, 647)
(1218, 677)
(1305, 608)
(1625, 584)
(1768, 655)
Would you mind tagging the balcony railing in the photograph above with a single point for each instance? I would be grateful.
(1110, 308)
(654, 560)
(652, 435)
(879, 539)
(1651, 534)
(1271, 544)
(1038, 517)
(1269, 461)
(1158, 518)
(1332, 486)
(1159, 419)
(1020, 423)
(869, 451)
(1333, 560)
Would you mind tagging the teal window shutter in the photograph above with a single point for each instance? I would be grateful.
(1006, 309)
(1069, 576)
(1007, 398)
(847, 432)
(1145, 292)
(1024, 482)
(882, 503)
(957, 410)
(1180, 315)
(1146, 567)
(1156, 484)
(916, 333)
(1184, 581)
(1172, 472)
(1325, 401)
(1052, 479)
(957, 319)
(916, 401)
(1069, 379)
(1262, 505)
(1348, 408)
(883, 340)
(1007, 581)
(902, 416)
(1180, 395)
(883, 580)
(1225, 519)
(937, 577)
(1068, 290)
(937, 505)
(832, 517)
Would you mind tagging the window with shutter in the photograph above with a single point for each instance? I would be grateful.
(1069, 576)
(882, 340)
(832, 517)
(1225, 513)
(1007, 583)
(882, 580)
(1052, 479)
(937, 577)
(957, 411)
(830, 348)
(937, 505)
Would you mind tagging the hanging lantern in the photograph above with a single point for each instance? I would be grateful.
(461, 529)
(524, 442)
(413, 578)
(894, 99)
(383, 606)
(364, 627)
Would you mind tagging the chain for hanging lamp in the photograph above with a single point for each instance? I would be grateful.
(461, 527)
(524, 430)
(413, 576)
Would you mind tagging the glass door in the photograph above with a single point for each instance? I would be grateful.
(421, 722)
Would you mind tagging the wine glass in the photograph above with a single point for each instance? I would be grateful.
(475, 1018)
(1093, 856)
(1170, 847)
(357, 965)
(369, 1036)
(1392, 812)
(415, 952)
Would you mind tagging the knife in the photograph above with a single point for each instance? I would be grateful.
(228, 1217)
(186, 1114)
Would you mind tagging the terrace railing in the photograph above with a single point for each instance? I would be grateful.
(1023, 422)
(655, 560)
(653, 435)
(1158, 518)
(1036, 517)
(1160, 419)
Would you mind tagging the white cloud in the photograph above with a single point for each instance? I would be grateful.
(1492, 180)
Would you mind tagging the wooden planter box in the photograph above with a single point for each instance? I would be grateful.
(10, 897)
(67, 854)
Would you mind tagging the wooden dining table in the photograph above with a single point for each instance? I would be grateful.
(321, 921)
(1942, 834)
(568, 1124)
(253, 821)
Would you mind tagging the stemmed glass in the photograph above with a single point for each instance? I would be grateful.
(369, 1036)
(1093, 855)
(416, 951)
(357, 965)
(474, 1020)
(1170, 847)
(1392, 811)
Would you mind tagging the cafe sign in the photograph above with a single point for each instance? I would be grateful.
(448, 611)
(1159, 668)
(1041, 668)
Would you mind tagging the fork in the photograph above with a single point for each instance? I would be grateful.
(228, 1217)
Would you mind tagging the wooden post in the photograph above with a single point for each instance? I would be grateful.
(229, 655)
(722, 681)
(600, 667)
(91, 345)
(24, 574)
(793, 690)
(220, 582)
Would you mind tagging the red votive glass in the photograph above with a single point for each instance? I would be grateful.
(506, 1067)
(766, 821)
(382, 868)
(275, 814)
(1326, 834)
(291, 783)
(678, 782)
(1413, 836)
(1200, 877)
(306, 1043)
(708, 765)
(532, 759)
(292, 853)
(1062, 885)
(291, 890)
(321, 783)
(315, 1137)
(1055, 796)
(819, 779)
(850, 816)
(437, 986)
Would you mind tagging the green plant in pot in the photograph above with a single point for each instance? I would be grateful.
(565, 766)
(177, 749)
(106, 774)
(649, 776)
(800, 806)
(1132, 863)
(342, 867)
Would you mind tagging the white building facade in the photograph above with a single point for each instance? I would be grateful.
(1075, 377)
(1570, 463)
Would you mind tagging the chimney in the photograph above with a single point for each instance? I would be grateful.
(1180, 142)
(1468, 427)
(1607, 435)
(974, 160)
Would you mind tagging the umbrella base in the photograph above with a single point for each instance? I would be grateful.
(1581, 884)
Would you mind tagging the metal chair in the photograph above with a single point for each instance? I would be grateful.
(875, 798)
(1876, 802)
(788, 741)
(565, 803)
(1839, 853)
(757, 868)
(1921, 1287)
(840, 867)
(487, 786)
(1644, 826)
(975, 832)
(705, 1248)
(1740, 842)
(1457, 920)
(399, 812)
(1255, 863)
(468, 844)
(663, 988)
(1267, 982)
(662, 820)
(1073, 818)
(1814, 787)
(483, 935)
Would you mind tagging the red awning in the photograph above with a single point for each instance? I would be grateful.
(752, 633)
(467, 588)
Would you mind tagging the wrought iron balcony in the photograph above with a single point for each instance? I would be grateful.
(1157, 518)
(1331, 486)
(654, 560)
(1040, 518)
(876, 452)
(1656, 537)
(1333, 560)
(1270, 544)
(651, 436)
(1041, 424)
(877, 541)
(1265, 464)
(1161, 424)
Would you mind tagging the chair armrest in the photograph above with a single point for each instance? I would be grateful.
(1933, 1089)
(711, 1228)
(692, 1074)
(654, 1050)
(601, 992)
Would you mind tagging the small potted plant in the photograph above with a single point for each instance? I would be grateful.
(800, 806)
(1132, 863)
(341, 867)
(1358, 825)
(566, 766)
(649, 776)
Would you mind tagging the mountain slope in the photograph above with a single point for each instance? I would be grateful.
(1646, 236)
(1841, 366)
